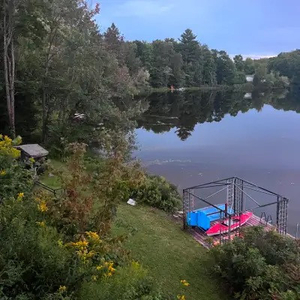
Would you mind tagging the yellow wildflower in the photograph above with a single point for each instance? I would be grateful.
(1, 136)
(62, 288)
(111, 269)
(2, 173)
(93, 236)
(7, 140)
(20, 196)
(94, 277)
(180, 297)
(80, 244)
(60, 243)
(42, 224)
(42, 206)
(135, 264)
(99, 268)
(31, 159)
(184, 282)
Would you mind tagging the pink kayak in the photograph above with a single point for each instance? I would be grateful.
(223, 227)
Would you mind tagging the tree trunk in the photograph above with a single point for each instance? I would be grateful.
(9, 61)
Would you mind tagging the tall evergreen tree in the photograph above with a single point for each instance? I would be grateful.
(192, 58)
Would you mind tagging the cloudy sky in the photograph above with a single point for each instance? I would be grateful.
(250, 27)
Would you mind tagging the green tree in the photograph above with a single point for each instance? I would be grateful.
(239, 63)
(191, 53)
(249, 67)
(209, 67)
(225, 68)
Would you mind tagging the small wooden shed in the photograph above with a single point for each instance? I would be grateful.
(32, 151)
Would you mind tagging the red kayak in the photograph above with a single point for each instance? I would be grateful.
(223, 227)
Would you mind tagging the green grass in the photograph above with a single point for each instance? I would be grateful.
(52, 181)
(169, 253)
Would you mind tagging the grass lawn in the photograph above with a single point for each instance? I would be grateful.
(52, 181)
(169, 254)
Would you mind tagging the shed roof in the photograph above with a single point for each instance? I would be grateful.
(33, 150)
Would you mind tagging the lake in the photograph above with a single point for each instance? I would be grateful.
(197, 137)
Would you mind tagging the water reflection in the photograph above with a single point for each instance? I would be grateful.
(183, 110)
(206, 136)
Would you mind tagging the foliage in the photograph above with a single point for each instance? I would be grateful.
(90, 199)
(261, 265)
(287, 64)
(66, 67)
(158, 192)
(53, 247)
(130, 283)
(14, 178)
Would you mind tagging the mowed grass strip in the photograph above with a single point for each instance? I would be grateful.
(169, 253)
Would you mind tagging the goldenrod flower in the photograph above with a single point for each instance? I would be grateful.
(20, 196)
(7, 140)
(180, 297)
(62, 288)
(110, 268)
(42, 224)
(93, 236)
(80, 244)
(1, 136)
(2, 173)
(99, 268)
(31, 159)
(42, 206)
(184, 282)
(94, 278)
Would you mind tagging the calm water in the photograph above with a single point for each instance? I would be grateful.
(196, 137)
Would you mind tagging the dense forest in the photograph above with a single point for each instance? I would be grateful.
(188, 63)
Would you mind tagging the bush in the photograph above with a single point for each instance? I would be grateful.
(61, 248)
(14, 178)
(262, 265)
(158, 192)
(130, 283)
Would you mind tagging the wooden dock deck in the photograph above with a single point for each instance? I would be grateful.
(200, 236)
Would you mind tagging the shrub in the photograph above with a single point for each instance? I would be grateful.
(52, 248)
(158, 192)
(129, 283)
(14, 178)
(262, 265)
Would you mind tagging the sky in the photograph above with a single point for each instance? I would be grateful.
(253, 28)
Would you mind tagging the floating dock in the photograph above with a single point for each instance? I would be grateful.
(207, 242)
(238, 194)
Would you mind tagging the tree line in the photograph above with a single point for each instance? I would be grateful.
(60, 70)
(187, 63)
